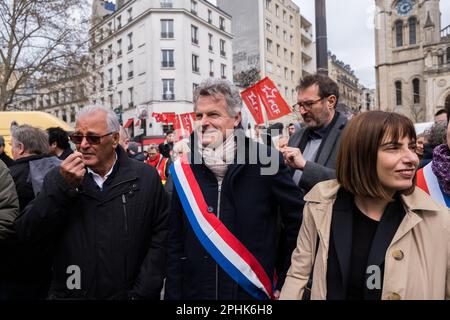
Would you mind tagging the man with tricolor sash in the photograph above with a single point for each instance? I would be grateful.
(434, 178)
(229, 195)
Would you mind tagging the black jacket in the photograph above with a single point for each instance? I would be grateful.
(6, 159)
(116, 237)
(249, 205)
(165, 149)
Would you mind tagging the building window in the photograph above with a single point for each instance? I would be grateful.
(285, 54)
(110, 53)
(291, 21)
(130, 69)
(194, 34)
(119, 71)
(110, 72)
(268, 26)
(130, 41)
(119, 95)
(277, 10)
(399, 33)
(110, 31)
(412, 22)
(223, 71)
(210, 16)
(64, 112)
(284, 16)
(291, 40)
(222, 23)
(268, 2)
(210, 42)
(292, 75)
(110, 98)
(222, 48)
(130, 14)
(285, 35)
(211, 67)
(278, 50)
(102, 80)
(416, 91)
(168, 89)
(195, 63)
(292, 58)
(269, 45)
(194, 8)
(100, 53)
(166, 3)
(167, 59)
(167, 29)
(130, 97)
(119, 47)
(286, 73)
(448, 55)
(398, 93)
(119, 22)
(269, 67)
(194, 87)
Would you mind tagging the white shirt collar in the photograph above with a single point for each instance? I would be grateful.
(99, 180)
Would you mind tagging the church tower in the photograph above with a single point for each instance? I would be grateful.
(404, 29)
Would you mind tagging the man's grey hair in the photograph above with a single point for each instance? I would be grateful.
(34, 140)
(111, 118)
(212, 87)
(438, 134)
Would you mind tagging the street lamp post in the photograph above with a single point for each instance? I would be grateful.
(321, 37)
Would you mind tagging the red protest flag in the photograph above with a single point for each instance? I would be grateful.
(169, 117)
(186, 122)
(157, 116)
(274, 103)
(178, 127)
(251, 100)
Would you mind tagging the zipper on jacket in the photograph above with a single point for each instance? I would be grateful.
(218, 217)
(125, 214)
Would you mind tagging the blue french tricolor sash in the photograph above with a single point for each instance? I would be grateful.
(427, 181)
(220, 243)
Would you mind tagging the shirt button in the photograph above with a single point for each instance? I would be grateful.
(398, 255)
(210, 209)
(394, 296)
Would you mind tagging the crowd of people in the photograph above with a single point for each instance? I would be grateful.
(340, 208)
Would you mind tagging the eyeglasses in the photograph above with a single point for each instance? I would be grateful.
(91, 138)
(306, 105)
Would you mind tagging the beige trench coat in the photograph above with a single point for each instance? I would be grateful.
(417, 262)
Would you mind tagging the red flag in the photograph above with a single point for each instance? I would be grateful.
(274, 103)
(251, 99)
(177, 127)
(169, 117)
(186, 122)
(157, 116)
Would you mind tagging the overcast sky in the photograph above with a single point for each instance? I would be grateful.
(351, 34)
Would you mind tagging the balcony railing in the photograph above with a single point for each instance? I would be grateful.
(168, 64)
(168, 96)
(166, 4)
(167, 35)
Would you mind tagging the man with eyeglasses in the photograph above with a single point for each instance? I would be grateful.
(312, 150)
(105, 213)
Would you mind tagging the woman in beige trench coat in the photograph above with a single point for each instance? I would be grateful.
(371, 234)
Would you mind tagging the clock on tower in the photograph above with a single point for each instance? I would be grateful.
(404, 7)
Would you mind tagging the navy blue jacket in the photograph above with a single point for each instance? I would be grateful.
(251, 205)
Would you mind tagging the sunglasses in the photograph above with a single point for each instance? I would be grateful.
(91, 138)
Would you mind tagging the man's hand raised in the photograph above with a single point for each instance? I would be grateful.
(73, 170)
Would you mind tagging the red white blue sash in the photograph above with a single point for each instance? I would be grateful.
(427, 181)
(220, 243)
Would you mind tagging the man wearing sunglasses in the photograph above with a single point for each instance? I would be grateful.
(312, 150)
(106, 215)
